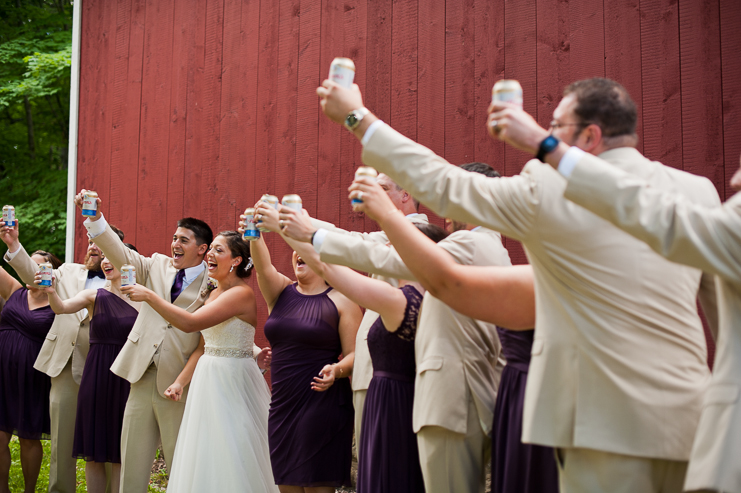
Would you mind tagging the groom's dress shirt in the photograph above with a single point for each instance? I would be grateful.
(619, 357)
(153, 339)
(708, 238)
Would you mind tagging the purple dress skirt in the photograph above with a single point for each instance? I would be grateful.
(24, 391)
(389, 461)
(517, 467)
(102, 397)
(309, 432)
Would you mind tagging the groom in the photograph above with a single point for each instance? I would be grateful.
(155, 352)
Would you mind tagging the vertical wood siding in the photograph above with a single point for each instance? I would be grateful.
(197, 107)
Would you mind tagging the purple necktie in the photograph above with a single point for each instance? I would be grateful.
(177, 286)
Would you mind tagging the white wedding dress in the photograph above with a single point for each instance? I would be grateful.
(223, 440)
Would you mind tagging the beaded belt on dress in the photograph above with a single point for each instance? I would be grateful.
(228, 352)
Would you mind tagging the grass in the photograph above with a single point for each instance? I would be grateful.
(158, 482)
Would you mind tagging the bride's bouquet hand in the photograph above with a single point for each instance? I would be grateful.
(174, 392)
(325, 379)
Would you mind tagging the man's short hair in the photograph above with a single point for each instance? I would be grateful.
(201, 230)
(481, 168)
(605, 103)
(117, 231)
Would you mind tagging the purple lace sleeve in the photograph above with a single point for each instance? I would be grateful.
(408, 327)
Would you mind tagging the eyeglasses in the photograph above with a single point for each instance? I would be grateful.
(556, 125)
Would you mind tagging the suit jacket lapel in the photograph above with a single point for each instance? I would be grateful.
(191, 294)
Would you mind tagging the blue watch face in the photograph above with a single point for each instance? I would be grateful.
(550, 143)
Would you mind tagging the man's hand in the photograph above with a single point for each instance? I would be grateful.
(296, 225)
(337, 102)
(511, 124)
(9, 235)
(376, 203)
(78, 203)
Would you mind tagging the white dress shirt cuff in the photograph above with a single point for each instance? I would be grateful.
(95, 228)
(11, 255)
(568, 162)
(370, 131)
(318, 239)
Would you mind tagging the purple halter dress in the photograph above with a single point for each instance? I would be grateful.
(24, 391)
(102, 397)
(517, 467)
(309, 432)
(389, 461)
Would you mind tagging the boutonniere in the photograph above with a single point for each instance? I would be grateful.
(211, 284)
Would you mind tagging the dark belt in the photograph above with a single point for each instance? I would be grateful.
(393, 376)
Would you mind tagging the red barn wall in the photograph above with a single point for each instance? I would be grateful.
(197, 107)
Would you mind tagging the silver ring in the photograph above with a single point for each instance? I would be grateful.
(494, 124)
(282, 223)
(258, 217)
(360, 195)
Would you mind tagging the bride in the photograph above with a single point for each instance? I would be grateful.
(223, 440)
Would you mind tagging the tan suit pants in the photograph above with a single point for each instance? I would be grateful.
(358, 401)
(453, 462)
(595, 471)
(62, 413)
(148, 418)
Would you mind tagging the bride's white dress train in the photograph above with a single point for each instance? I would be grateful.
(223, 440)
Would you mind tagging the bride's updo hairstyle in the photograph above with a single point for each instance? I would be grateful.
(239, 248)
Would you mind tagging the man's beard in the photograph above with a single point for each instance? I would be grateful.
(92, 263)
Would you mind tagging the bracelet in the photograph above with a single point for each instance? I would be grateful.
(312, 237)
(263, 370)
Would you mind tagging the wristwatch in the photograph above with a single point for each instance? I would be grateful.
(547, 146)
(353, 119)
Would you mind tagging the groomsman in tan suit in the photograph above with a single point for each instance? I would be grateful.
(363, 367)
(703, 237)
(63, 353)
(619, 363)
(155, 352)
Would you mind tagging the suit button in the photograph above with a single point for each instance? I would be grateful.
(155, 345)
(169, 326)
(72, 343)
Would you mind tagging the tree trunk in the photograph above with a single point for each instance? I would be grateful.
(29, 124)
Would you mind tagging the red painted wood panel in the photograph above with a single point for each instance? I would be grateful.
(197, 107)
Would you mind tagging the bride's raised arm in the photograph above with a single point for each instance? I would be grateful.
(504, 296)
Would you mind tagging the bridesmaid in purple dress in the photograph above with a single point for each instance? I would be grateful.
(24, 391)
(389, 461)
(515, 466)
(311, 416)
(102, 397)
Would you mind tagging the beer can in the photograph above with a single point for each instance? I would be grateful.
(251, 232)
(45, 269)
(293, 201)
(273, 201)
(364, 172)
(9, 215)
(89, 203)
(342, 72)
(507, 91)
(128, 275)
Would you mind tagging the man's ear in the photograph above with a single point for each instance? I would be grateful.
(591, 137)
(202, 249)
(405, 197)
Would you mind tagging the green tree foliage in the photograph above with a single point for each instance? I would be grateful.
(35, 60)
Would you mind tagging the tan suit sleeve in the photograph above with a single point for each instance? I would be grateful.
(703, 237)
(707, 296)
(375, 236)
(24, 266)
(119, 254)
(508, 205)
(381, 259)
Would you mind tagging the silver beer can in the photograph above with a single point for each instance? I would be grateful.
(89, 203)
(128, 275)
(274, 203)
(293, 201)
(251, 233)
(342, 72)
(8, 215)
(46, 274)
(507, 91)
(364, 172)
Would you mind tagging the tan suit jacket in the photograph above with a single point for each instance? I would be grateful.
(619, 358)
(69, 335)
(152, 339)
(362, 370)
(457, 357)
(706, 238)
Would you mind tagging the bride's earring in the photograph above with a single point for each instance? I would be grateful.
(232, 269)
